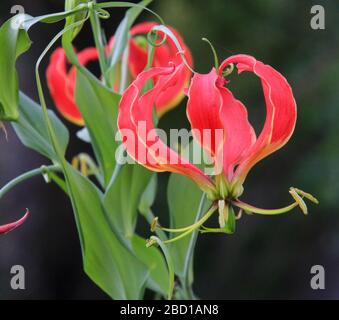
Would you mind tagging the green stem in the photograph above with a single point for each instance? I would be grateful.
(170, 265)
(27, 175)
(48, 122)
(124, 71)
(187, 281)
(58, 181)
(97, 34)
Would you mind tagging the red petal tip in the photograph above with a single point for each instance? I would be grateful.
(11, 226)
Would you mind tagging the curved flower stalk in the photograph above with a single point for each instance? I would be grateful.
(213, 111)
(62, 82)
(11, 226)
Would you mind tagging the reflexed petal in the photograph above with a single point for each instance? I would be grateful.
(136, 114)
(239, 132)
(11, 226)
(57, 78)
(137, 58)
(203, 111)
(62, 83)
(163, 54)
(281, 110)
(212, 108)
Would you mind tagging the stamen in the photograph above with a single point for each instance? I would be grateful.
(188, 230)
(297, 195)
(75, 162)
(84, 163)
(247, 207)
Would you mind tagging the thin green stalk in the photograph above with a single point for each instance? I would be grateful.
(48, 122)
(170, 265)
(215, 56)
(58, 181)
(27, 175)
(186, 280)
(195, 225)
(98, 39)
(122, 4)
(124, 71)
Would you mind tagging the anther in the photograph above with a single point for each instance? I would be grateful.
(154, 224)
(306, 195)
(298, 200)
(150, 243)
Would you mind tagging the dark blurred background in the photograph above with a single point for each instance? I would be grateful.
(267, 257)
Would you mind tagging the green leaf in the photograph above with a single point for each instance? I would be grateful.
(99, 108)
(183, 200)
(156, 264)
(121, 34)
(31, 128)
(107, 261)
(123, 197)
(14, 41)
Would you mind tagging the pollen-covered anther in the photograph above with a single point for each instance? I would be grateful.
(84, 163)
(154, 224)
(150, 243)
(306, 195)
(299, 200)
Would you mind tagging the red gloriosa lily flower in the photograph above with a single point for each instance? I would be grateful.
(62, 82)
(211, 106)
(11, 226)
